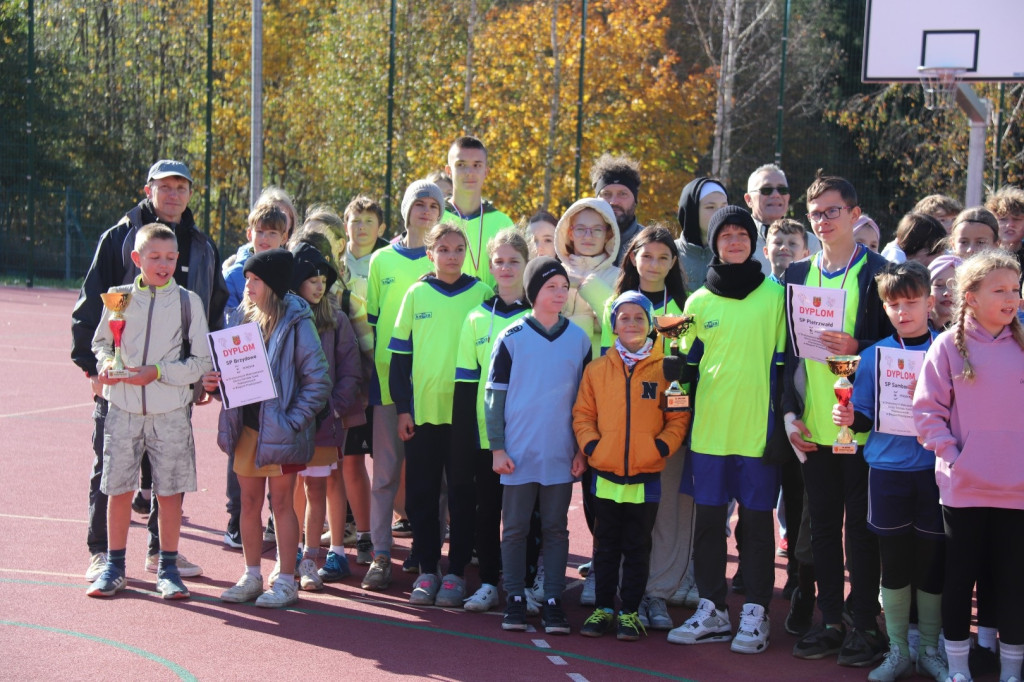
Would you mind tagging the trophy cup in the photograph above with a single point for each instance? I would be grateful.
(675, 398)
(116, 303)
(843, 366)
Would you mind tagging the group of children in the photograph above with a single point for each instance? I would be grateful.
(502, 365)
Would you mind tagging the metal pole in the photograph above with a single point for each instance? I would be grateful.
(391, 118)
(209, 115)
(29, 111)
(997, 165)
(579, 99)
(256, 105)
(977, 111)
(782, 86)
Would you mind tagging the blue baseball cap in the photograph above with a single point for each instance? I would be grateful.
(165, 168)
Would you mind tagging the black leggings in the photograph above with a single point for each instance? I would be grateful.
(912, 558)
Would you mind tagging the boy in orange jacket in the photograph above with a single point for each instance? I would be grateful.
(626, 437)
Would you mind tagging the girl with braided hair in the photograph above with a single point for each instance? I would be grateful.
(967, 410)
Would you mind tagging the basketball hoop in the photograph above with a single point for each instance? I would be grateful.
(939, 85)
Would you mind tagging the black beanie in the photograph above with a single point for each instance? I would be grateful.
(274, 267)
(731, 215)
(537, 272)
(309, 262)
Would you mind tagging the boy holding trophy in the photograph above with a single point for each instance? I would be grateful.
(150, 408)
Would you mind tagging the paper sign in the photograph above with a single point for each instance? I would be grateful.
(896, 372)
(813, 310)
(241, 358)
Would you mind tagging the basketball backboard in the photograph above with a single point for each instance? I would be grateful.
(982, 37)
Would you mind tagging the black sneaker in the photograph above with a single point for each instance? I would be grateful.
(630, 627)
(140, 503)
(801, 613)
(820, 642)
(792, 582)
(552, 617)
(737, 582)
(862, 648)
(983, 661)
(233, 536)
(268, 534)
(599, 622)
(515, 614)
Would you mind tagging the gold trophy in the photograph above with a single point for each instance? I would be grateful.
(843, 366)
(675, 398)
(116, 303)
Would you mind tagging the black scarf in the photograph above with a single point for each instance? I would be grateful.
(735, 280)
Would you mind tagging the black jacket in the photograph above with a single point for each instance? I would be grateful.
(112, 266)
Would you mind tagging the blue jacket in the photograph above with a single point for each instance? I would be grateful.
(299, 366)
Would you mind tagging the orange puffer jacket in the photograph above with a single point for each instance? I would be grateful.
(618, 419)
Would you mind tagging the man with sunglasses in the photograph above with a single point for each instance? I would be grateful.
(767, 198)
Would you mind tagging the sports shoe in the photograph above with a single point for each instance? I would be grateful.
(335, 568)
(110, 582)
(588, 597)
(783, 548)
(553, 618)
(233, 536)
(169, 586)
(411, 563)
(982, 660)
(268, 534)
(598, 623)
(706, 625)
(280, 595)
(350, 534)
(246, 589)
(738, 586)
(515, 614)
(186, 569)
(484, 599)
(862, 648)
(452, 591)
(140, 503)
(277, 567)
(895, 666)
(378, 576)
(959, 677)
(364, 550)
(630, 627)
(309, 577)
(97, 564)
(754, 632)
(801, 613)
(424, 590)
(401, 529)
(584, 569)
(686, 594)
(653, 614)
(819, 642)
(535, 593)
(325, 539)
(930, 664)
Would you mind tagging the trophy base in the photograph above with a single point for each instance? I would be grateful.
(118, 374)
(844, 448)
(675, 403)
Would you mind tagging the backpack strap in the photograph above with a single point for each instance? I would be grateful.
(346, 301)
(186, 323)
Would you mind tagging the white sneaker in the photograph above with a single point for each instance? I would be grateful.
(913, 641)
(707, 624)
(279, 595)
(186, 569)
(753, 634)
(588, 597)
(97, 564)
(309, 579)
(536, 591)
(931, 664)
(895, 666)
(654, 614)
(246, 589)
(484, 599)
(686, 594)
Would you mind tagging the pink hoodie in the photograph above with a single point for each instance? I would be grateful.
(975, 428)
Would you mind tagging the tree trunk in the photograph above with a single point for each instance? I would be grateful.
(722, 144)
(556, 87)
(470, 31)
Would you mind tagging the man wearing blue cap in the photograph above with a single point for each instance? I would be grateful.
(168, 190)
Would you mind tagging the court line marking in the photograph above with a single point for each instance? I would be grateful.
(181, 672)
(558, 660)
(541, 644)
(41, 518)
(46, 409)
(377, 620)
(576, 677)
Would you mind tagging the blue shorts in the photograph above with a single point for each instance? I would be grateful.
(901, 501)
(714, 480)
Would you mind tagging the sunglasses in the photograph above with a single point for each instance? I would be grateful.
(767, 190)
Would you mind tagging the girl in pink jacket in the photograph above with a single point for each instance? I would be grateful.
(967, 409)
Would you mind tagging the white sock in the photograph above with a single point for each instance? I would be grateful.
(987, 638)
(310, 552)
(1010, 658)
(254, 571)
(286, 578)
(957, 653)
(338, 549)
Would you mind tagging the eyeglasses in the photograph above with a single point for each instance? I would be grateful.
(768, 189)
(831, 213)
(581, 231)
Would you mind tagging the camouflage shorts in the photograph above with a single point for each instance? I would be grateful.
(168, 440)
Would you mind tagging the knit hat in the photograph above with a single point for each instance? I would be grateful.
(731, 215)
(636, 298)
(537, 272)
(309, 262)
(421, 189)
(274, 267)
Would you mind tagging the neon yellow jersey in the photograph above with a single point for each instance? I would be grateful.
(428, 327)
(393, 270)
(478, 227)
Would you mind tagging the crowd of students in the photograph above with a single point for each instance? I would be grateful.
(486, 367)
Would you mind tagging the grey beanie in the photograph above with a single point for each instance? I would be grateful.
(421, 189)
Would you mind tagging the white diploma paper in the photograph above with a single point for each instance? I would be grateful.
(241, 358)
(813, 310)
(896, 370)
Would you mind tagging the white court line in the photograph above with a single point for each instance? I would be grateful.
(577, 677)
(45, 409)
(558, 660)
(42, 518)
(541, 644)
